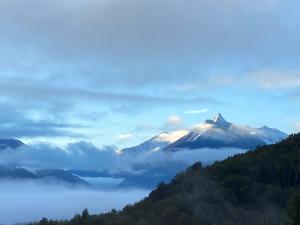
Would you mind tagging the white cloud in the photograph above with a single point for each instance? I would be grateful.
(174, 120)
(202, 127)
(124, 137)
(197, 111)
(172, 137)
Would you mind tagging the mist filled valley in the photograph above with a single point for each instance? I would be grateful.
(45, 181)
(149, 112)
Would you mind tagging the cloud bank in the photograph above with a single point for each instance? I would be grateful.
(85, 156)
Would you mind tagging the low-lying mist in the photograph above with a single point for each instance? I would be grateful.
(85, 156)
(25, 201)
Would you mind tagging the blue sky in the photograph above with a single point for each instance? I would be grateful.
(119, 71)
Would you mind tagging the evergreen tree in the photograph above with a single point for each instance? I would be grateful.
(293, 210)
(84, 217)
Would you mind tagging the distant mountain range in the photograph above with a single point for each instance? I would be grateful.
(9, 173)
(10, 143)
(213, 133)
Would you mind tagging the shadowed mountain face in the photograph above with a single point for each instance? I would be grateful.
(10, 143)
(16, 173)
(11, 173)
(217, 137)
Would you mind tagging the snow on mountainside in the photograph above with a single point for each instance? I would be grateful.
(269, 135)
(156, 143)
(218, 133)
(213, 133)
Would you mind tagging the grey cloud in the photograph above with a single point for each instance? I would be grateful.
(111, 56)
(80, 155)
(109, 40)
(64, 94)
(24, 132)
(16, 121)
(130, 26)
(85, 156)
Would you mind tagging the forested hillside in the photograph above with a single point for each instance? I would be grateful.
(255, 188)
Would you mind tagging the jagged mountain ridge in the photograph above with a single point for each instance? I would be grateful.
(218, 133)
(213, 133)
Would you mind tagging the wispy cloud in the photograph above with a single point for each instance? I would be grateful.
(273, 79)
(174, 120)
(124, 137)
(197, 111)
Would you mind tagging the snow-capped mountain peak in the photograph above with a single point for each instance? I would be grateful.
(218, 133)
(213, 133)
(270, 135)
(169, 137)
(218, 120)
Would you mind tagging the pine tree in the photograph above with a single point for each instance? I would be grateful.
(293, 210)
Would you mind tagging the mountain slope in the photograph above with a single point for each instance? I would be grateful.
(218, 133)
(156, 143)
(269, 135)
(247, 189)
(12, 173)
(10, 143)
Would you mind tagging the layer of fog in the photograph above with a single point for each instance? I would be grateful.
(103, 183)
(25, 201)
